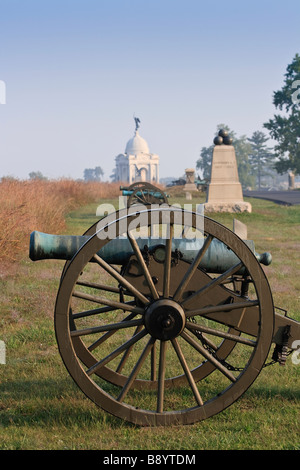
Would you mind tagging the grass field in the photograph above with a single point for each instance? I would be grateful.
(41, 407)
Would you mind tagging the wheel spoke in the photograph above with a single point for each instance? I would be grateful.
(214, 282)
(121, 279)
(221, 334)
(161, 376)
(95, 285)
(207, 340)
(143, 265)
(188, 275)
(153, 362)
(110, 327)
(167, 266)
(208, 356)
(187, 372)
(221, 308)
(96, 311)
(101, 300)
(139, 199)
(126, 353)
(116, 352)
(136, 369)
(108, 334)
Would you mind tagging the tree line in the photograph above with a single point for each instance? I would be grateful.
(89, 174)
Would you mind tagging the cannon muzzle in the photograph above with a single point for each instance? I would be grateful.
(217, 259)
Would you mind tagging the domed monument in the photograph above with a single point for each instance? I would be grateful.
(137, 163)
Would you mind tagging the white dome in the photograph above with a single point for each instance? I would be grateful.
(136, 145)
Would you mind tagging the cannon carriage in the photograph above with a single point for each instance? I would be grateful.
(163, 316)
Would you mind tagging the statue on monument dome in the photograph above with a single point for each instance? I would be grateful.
(137, 123)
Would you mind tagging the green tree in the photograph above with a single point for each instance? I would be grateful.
(242, 150)
(285, 128)
(37, 175)
(113, 176)
(93, 174)
(261, 157)
(204, 162)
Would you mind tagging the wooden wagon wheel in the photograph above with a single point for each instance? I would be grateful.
(116, 377)
(165, 321)
(146, 194)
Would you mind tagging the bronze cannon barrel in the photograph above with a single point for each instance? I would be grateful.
(217, 259)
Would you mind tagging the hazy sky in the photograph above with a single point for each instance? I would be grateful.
(76, 71)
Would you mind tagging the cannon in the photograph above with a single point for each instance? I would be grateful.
(143, 193)
(167, 326)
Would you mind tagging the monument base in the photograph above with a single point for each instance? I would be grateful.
(190, 187)
(239, 206)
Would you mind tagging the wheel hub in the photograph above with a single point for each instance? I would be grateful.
(164, 319)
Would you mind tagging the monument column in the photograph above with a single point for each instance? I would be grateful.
(224, 192)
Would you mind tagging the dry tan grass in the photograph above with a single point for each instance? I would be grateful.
(41, 205)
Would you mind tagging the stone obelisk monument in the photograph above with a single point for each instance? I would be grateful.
(224, 192)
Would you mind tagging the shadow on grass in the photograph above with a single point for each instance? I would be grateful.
(272, 392)
(50, 402)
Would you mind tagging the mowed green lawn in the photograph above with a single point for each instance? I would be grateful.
(42, 408)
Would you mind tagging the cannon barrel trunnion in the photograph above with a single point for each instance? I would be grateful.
(163, 330)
